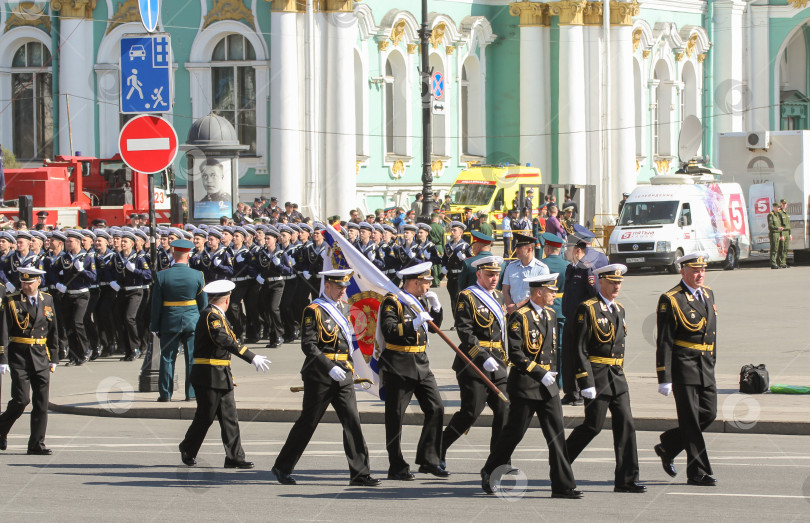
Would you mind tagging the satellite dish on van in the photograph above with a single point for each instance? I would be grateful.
(690, 139)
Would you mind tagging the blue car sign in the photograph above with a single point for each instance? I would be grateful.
(149, 13)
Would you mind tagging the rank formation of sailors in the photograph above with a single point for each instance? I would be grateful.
(79, 295)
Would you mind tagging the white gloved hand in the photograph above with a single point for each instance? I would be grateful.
(61, 288)
(260, 279)
(337, 373)
(462, 256)
(433, 300)
(10, 287)
(422, 318)
(549, 379)
(306, 274)
(444, 270)
(491, 365)
(276, 260)
(3, 368)
(217, 262)
(78, 264)
(53, 367)
(130, 266)
(261, 363)
(115, 286)
(665, 388)
(589, 393)
(240, 258)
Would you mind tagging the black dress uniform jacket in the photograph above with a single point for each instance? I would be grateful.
(21, 320)
(477, 326)
(322, 336)
(687, 331)
(397, 327)
(532, 352)
(600, 342)
(214, 340)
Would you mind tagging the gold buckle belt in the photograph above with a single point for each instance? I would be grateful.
(405, 348)
(206, 361)
(337, 357)
(179, 303)
(491, 344)
(534, 364)
(606, 361)
(29, 341)
(696, 346)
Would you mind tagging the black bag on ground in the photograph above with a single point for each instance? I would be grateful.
(754, 379)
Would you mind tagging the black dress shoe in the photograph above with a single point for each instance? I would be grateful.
(486, 486)
(187, 458)
(568, 399)
(284, 479)
(94, 356)
(234, 464)
(433, 469)
(39, 452)
(273, 345)
(401, 476)
(567, 494)
(161, 399)
(635, 488)
(364, 481)
(666, 461)
(3, 441)
(704, 480)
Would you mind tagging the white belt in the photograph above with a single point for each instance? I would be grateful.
(242, 278)
(78, 291)
(277, 278)
(134, 288)
(287, 277)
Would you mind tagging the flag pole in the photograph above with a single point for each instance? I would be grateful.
(469, 362)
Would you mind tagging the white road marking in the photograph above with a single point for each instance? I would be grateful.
(779, 496)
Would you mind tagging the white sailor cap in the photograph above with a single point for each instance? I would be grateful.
(419, 271)
(613, 272)
(544, 280)
(219, 288)
(29, 273)
(488, 263)
(694, 259)
(341, 277)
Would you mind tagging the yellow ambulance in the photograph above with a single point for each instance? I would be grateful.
(493, 189)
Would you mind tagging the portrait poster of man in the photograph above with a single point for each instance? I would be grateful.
(212, 184)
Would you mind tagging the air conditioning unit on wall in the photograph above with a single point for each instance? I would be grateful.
(759, 140)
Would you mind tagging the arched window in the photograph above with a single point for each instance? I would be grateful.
(396, 116)
(472, 109)
(32, 102)
(233, 86)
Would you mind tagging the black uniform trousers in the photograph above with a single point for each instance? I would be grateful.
(314, 288)
(90, 326)
(130, 303)
(474, 394)
(317, 397)
(398, 394)
(220, 404)
(58, 304)
(549, 412)
(453, 290)
(624, 434)
(272, 292)
(235, 314)
(290, 320)
(568, 352)
(255, 326)
(302, 296)
(143, 319)
(106, 318)
(697, 408)
(74, 307)
(23, 382)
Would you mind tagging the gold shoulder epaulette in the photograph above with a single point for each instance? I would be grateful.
(549, 308)
(45, 293)
(707, 288)
(590, 302)
(675, 290)
(523, 310)
(312, 306)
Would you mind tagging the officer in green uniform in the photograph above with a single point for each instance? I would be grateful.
(177, 299)
(786, 235)
(436, 235)
(552, 250)
(481, 244)
(775, 229)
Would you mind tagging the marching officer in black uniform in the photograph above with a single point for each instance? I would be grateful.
(76, 272)
(685, 359)
(105, 313)
(57, 242)
(214, 342)
(455, 252)
(164, 255)
(244, 274)
(426, 249)
(254, 326)
(131, 274)
(291, 323)
(388, 250)
(313, 259)
(29, 348)
(480, 324)
(326, 340)
(215, 261)
(21, 257)
(532, 388)
(600, 345)
(274, 269)
(405, 371)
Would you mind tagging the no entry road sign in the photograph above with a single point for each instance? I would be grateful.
(148, 144)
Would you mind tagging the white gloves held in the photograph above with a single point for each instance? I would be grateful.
(261, 363)
(307, 275)
(444, 270)
(421, 319)
(78, 264)
(433, 300)
(217, 262)
(53, 367)
(61, 288)
(276, 260)
(665, 388)
(260, 279)
(589, 393)
(491, 364)
(3, 368)
(549, 379)
(462, 256)
(130, 266)
(240, 258)
(115, 286)
(337, 373)
(10, 287)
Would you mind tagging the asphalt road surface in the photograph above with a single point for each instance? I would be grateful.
(129, 470)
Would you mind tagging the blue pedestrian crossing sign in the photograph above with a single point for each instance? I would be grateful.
(146, 66)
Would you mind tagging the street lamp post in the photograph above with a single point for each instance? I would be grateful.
(427, 175)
